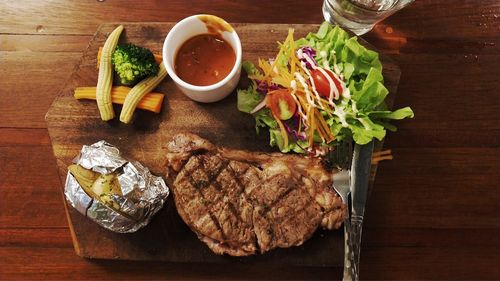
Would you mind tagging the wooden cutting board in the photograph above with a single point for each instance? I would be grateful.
(73, 123)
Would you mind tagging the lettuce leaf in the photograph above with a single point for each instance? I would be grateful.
(365, 113)
(372, 92)
(249, 67)
(264, 118)
(248, 99)
(399, 114)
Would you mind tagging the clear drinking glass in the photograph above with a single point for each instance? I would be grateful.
(360, 16)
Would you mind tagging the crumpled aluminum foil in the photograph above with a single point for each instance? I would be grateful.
(143, 193)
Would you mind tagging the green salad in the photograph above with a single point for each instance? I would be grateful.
(318, 91)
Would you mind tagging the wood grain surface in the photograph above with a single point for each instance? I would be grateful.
(436, 210)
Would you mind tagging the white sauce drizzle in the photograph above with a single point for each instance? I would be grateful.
(306, 88)
(336, 70)
(339, 111)
(334, 92)
(301, 55)
(327, 66)
(260, 105)
(313, 86)
(354, 106)
(337, 73)
(293, 85)
(346, 93)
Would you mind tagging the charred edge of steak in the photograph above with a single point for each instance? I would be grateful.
(181, 148)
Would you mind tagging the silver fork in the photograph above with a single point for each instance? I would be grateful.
(342, 158)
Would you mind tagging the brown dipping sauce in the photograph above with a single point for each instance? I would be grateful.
(204, 60)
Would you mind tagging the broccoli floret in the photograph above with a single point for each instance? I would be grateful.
(133, 63)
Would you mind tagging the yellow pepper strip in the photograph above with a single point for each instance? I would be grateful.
(274, 62)
(265, 66)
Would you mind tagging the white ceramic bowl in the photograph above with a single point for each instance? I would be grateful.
(186, 29)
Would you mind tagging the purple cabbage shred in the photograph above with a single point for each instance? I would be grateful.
(264, 88)
(292, 126)
(311, 53)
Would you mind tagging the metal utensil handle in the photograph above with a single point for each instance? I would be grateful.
(348, 267)
(356, 229)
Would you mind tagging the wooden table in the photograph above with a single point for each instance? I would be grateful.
(435, 209)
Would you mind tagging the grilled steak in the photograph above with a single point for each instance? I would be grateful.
(242, 203)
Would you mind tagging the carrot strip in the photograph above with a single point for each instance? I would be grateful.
(323, 127)
(291, 57)
(151, 102)
(327, 107)
(375, 161)
(320, 128)
(158, 57)
(321, 124)
(328, 133)
(382, 153)
(381, 156)
(300, 97)
(310, 120)
(274, 62)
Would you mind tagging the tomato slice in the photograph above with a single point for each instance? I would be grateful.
(282, 104)
(322, 84)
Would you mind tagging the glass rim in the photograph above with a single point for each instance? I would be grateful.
(376, 11)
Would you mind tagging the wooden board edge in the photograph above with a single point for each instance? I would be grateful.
(74, 239)
(47, 117)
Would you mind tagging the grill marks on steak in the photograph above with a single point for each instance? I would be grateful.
(241, 203)
(212, 203)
